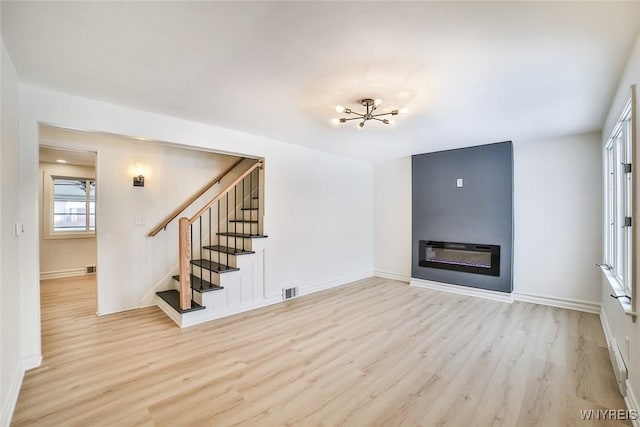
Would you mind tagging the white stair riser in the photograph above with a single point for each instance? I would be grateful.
(222, 258)
(236, 242)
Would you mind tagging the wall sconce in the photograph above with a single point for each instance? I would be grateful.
(138, 181)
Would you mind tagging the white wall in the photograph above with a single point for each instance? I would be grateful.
(318, 206)
(621, 325)
(11, 367)
(61, 256)
(557, 217)
(392, 218)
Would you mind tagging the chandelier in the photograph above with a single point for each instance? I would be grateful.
(370, 105)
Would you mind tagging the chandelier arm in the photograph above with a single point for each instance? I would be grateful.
(353, 118)
(383, 114)
(380, 120)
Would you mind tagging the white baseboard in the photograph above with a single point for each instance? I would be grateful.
(9, 404)
(630, 399)
(392, 276)
(345, 280)
(570, 304)
(198, 317)
(62, 273)
(32, 361)
(461, 290)
(632, 403)
(605, 327)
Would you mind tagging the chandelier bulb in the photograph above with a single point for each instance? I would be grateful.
(403, 110)
(335, 121)
(339, 109)
(377, 102)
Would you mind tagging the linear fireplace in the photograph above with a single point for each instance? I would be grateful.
(467, 257)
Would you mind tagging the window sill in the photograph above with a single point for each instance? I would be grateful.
(70, 235)
(616, 289)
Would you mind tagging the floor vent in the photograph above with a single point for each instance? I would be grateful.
(619, 367)
(91, 269)
(290, 293)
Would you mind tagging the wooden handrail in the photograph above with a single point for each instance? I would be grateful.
(225, 191)
(173, 215)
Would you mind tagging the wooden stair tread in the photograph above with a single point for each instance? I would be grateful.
(228, 250)
(200, 285)
(248, 236)
(172, 297)
(213, 266)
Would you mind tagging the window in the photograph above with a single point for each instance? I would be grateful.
(74, 205)
(619, 203)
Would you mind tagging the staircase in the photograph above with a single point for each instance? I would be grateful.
(220, 255)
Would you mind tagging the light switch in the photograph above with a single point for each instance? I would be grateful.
(459, 183)
(18, 227)
(139, 220)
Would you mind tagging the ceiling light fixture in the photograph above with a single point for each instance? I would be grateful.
(61, 161)
(370, 105)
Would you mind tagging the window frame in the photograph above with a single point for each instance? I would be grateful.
(49, 208)
(619, 240)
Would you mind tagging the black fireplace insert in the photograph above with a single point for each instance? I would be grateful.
(467, 257)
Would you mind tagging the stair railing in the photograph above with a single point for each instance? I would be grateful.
(186, 228)
(173, 215)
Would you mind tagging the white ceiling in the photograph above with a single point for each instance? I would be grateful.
(469, 73)
(70, 157)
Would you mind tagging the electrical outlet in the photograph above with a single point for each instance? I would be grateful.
(139, 220)
(459, 182)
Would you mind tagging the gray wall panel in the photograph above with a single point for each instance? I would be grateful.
(480, 212)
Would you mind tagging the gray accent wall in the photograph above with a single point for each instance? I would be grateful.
(480, 212)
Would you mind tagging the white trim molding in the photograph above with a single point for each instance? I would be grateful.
(630, 397)
(632, 403)
(392, 276)
(32, 361)
(63, 273)
(9, 405)
(345, 280)
(570, 304)
(461, 290)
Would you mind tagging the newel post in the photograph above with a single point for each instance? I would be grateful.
(184, 252)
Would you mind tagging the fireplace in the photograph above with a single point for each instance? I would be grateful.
(467, 257)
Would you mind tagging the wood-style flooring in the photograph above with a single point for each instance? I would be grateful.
(373, 353)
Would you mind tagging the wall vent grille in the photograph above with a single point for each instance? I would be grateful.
(289, 293)
(91, 269)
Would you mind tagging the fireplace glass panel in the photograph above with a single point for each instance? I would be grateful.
(467, 257)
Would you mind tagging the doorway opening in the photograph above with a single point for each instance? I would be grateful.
(67, 211)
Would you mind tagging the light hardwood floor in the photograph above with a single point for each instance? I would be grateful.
(376, 352)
